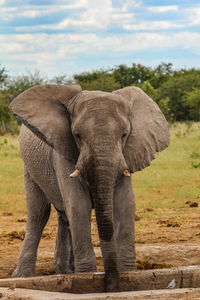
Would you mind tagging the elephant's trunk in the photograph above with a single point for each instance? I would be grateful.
(101, 176)
(103, 203)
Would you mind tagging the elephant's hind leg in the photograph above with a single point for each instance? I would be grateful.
(63, 259)
(38, 211)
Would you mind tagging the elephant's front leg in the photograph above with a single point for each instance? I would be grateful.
(124, 215)
(38, 210)
(78, 207)
(63, 258)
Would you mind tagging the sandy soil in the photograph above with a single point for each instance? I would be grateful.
(161, 242)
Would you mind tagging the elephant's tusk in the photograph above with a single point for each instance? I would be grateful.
(126, 173)
(75, 173)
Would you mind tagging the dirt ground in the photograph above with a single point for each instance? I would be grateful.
(160, 242)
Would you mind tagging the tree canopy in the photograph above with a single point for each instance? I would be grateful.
(177, 92)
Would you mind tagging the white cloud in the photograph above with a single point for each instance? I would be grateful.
(96, 15)
(57, 53)
(33, 11)
(152, 25)
(91, 19)
(128, 5)
(61, 46)
(188, 40)
(193, 15)
(122, 17)
(163, 9)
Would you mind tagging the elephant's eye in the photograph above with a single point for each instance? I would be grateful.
(77, 135)
(124, 135)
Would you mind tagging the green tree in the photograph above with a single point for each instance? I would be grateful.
(141, 73)
(165, 108)
(3, 76)
(104, 82)
(61, 79)
(20, 83)
(11, 88)
(160, 74)
(7, 122)
(5, 115)
(90, 76)
(136, 74)
(175, 89)
(191, 101)
(148, 89)
(122, 75)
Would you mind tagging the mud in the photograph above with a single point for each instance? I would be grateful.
(160, 242)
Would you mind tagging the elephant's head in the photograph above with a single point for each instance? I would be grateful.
(107, 135)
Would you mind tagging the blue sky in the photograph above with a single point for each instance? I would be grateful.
(68, 37)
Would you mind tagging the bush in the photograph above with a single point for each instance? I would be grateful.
(5, 114)
(19, 84)
(164, 107)
(134, 75)
(175, 90)
(3, 76)
(191, 101)
(7, 121)
(148, 89)
(104, 82)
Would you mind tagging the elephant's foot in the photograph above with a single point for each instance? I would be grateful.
(112, 282)
(128, 264)
(86, 266)
(60, 269)
(25, 272)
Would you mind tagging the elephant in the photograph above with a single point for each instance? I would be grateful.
(79, 149)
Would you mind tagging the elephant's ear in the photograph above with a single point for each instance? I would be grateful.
(149, 129)
(43, 110)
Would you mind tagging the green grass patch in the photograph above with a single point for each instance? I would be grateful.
(12, 196)
(171, 179)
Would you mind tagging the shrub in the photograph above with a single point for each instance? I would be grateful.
(191, 101)
(175, 90)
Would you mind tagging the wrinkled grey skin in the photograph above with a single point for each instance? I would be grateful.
(100, 134)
